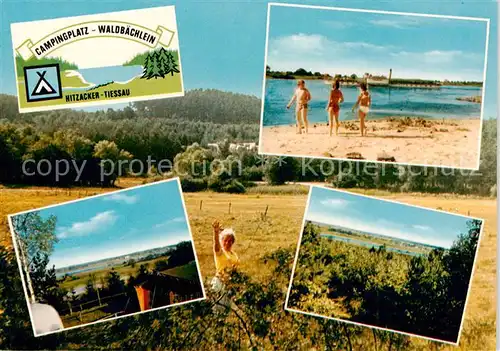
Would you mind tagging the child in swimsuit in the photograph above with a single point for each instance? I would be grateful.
(301, 96)
(333, 107)
(364, 101)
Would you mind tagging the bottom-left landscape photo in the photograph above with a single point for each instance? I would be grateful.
(106, 257)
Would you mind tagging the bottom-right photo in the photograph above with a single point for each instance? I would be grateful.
(384, 264)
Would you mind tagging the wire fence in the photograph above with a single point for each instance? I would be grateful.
(111, 306)
(99, 302)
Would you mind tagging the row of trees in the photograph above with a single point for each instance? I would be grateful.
(423, 295)
(195, 164)
(303, 73)
(29, 157)
(202, 117)
(197, 105)
(201, 169)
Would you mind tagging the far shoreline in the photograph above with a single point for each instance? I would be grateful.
(355, 83)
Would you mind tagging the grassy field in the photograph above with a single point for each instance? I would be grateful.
(125, 271)
(188, 271)
(255, 236)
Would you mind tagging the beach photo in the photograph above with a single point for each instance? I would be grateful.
(374, 86)
(107, 256)
(384, 264)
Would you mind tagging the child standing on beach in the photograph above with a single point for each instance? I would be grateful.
(364, 101)
(333, 107)
(301, 96)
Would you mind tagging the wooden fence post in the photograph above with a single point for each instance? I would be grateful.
(98, 297)
(229, 208)
(201, 204)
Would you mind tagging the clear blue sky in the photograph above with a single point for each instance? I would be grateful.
(118, 223)
(385, 218)
(223, 42)
(358, 42)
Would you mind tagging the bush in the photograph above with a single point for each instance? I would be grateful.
(345, 181)
(280, 170)
(217, 182)
(234, 187)
(192, 185)
(254, 174)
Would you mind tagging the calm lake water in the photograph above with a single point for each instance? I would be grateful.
(367, 244)
(430, 103)
(102, 75)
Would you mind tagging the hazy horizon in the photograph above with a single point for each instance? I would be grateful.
(386, 218)
(374, 234)
(110, 258)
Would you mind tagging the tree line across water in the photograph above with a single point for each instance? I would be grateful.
(180, 129)
(302, 73)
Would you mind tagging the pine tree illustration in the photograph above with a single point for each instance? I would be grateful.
(162, 60)
(154, 70)
(170, 65)
(146, 66)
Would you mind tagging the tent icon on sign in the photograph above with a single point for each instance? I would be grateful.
(42, 87)
(42, 82)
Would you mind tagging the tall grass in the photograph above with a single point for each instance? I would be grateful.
(290, 189)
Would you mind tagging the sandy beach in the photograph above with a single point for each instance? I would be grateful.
(448, 143)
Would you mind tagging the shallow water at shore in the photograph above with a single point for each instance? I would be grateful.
(430, 103)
